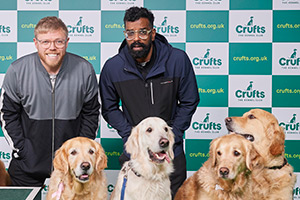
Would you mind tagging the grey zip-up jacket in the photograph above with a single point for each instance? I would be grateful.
(37, 118)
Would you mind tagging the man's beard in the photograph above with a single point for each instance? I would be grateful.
(140, 54)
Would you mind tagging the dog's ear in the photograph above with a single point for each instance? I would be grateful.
(60, 161)
(253, 158)
(132, 145)
(171, 140)
(277, 135)
(212, 151)
(101, 158)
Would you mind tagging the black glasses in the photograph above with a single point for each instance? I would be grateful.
(143, 34)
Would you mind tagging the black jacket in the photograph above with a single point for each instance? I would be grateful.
(169, 91)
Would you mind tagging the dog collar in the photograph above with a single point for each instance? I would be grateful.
(135, 172)
(281, 166)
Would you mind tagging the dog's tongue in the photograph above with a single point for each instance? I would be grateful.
(163, 155)
(84, 176)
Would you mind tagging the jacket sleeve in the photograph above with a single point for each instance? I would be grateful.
(90, 113)
(110, 100)
(188, 99)
(10, 113)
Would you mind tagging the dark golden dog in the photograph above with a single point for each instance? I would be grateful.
(275, 179)
(78, 171)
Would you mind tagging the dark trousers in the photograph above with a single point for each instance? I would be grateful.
(20, 178)
(177, 177)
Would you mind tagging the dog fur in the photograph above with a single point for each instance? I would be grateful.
(225, 175)
(78, 171)
(4, 176)
(275, 179)
(151, 148)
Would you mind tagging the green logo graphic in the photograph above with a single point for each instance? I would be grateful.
(113, 149)
(250, 29)
(291, 62)
(286, 27)
(164, 5)
(207, 26)
(291, 127)
(250, 94)
(292, 153)
(207, 62)
(79, 5)
(80, 29)
(206, 126)
(4, 155)
(112, 26)
(197, 152)
(27, 21)
(213, 90)
(4, 30)
(89, 51)
(251, 5)
(285, 91)
(8, 53)
(167, 29)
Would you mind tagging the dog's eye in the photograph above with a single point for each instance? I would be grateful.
(219, 153)
(91, 151)
(251, 116)
(149, 130)
(74, 152)
(166, 129)
(236, 153)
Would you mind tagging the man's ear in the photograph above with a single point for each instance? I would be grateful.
(153, 32)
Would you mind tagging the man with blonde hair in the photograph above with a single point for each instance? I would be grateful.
(47, 97)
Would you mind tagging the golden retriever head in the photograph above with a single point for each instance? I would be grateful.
(152, 139)
(231, 155)
(80, 157)
(261, 128)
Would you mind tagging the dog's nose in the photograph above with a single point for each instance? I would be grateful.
(85, 166)
(228, 120)
(163, 142)
(224, 171)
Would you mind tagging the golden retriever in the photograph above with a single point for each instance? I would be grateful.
(78, 171)
(4, 176)
(275, 180)
(226, 174)
(150, 145)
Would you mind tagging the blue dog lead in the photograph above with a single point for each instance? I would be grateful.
(123, 187)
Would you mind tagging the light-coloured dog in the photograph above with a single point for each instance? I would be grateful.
(275, 179)
(78, 171)
(226, 174)
(4, 176)
(147, 173)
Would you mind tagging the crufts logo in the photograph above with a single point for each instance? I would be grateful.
(250, 94)
(167, 29)
(250, 29)
(207, 62)
(206, 126)
(79, 29)
(292, 126)
(4, 29)
(291, 61)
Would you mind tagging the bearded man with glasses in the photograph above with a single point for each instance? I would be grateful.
(151, 78)
(47, 97)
